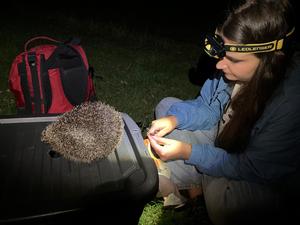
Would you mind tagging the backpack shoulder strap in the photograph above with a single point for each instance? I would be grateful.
(24, 85)
(32, 61)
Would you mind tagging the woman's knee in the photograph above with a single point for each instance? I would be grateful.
(164, 105)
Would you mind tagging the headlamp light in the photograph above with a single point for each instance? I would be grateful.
(214, 46)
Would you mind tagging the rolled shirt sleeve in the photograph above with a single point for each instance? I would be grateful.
(204, 112)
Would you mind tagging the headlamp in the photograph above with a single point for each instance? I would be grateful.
(215, 47)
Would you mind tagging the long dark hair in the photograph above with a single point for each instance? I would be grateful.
(255, 21)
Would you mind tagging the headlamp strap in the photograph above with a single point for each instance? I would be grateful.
(260, 47)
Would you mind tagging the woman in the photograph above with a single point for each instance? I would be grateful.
(237, 143)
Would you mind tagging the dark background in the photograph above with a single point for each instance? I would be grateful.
(178, 19)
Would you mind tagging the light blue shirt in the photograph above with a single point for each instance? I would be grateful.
(273, 151)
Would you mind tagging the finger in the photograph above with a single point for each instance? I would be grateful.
(157, 147)
(162, 140)
(158, 140)
(153, 130)
(161, 133)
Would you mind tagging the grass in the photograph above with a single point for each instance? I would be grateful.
(155, 214)
(146, 68)
(136, 69)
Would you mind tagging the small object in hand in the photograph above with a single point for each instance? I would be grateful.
(151, 152)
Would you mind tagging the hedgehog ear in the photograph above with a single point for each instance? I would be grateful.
(54, 154)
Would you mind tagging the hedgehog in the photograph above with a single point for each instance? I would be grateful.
(88, 132)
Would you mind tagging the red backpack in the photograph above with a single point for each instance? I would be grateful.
(51, 79)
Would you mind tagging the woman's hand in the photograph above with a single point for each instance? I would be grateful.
(168, 149)
(162, 126)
